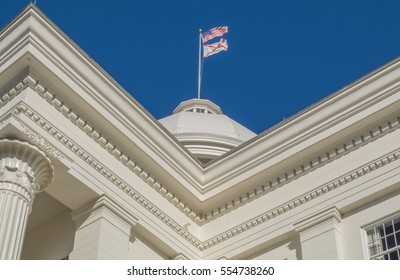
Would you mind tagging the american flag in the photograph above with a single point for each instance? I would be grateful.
(214, 32)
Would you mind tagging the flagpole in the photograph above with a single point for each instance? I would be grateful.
(199, 77)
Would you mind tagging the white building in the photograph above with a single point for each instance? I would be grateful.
(87, 173)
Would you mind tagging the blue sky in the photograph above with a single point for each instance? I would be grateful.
(283, 55)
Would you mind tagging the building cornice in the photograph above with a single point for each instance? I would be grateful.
(199, 216)
(304, 198)
(100, 168)
(239, 229)
(278, 180)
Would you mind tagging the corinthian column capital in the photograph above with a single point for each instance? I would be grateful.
(24, 169)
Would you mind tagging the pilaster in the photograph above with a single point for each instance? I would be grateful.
(320, 235)
(103, 230)
(24, 171)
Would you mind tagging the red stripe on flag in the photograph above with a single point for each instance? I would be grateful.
(214, 32)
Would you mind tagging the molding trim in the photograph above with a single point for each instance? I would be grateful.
(327, 214)
(34, 137)
(104, 202)
(105, 172)
(39, 141)
(106, 144)
(223, 208)
(300, 200)
(6, 97)
(325, 188)
(75, 148)
(307, 166)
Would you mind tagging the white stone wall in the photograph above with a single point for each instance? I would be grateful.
(353, 237)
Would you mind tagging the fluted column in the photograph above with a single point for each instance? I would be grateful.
(24, 171)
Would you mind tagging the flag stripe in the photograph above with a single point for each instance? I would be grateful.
(214, 32)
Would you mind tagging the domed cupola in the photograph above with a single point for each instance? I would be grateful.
(204, 130)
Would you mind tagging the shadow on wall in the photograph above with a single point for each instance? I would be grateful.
(287, 249)
(295, 245)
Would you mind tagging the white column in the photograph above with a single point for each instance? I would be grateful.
(24, 171)
(103, 230)
(320, 236)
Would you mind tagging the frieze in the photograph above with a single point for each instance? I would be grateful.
(39, 141)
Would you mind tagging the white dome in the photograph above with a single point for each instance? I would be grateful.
(202, 128)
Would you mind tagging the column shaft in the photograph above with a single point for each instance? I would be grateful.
(24, 171)
(14, 212)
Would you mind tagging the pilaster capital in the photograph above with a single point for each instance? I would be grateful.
(24, 168)
(104, 206)
(330, 216)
